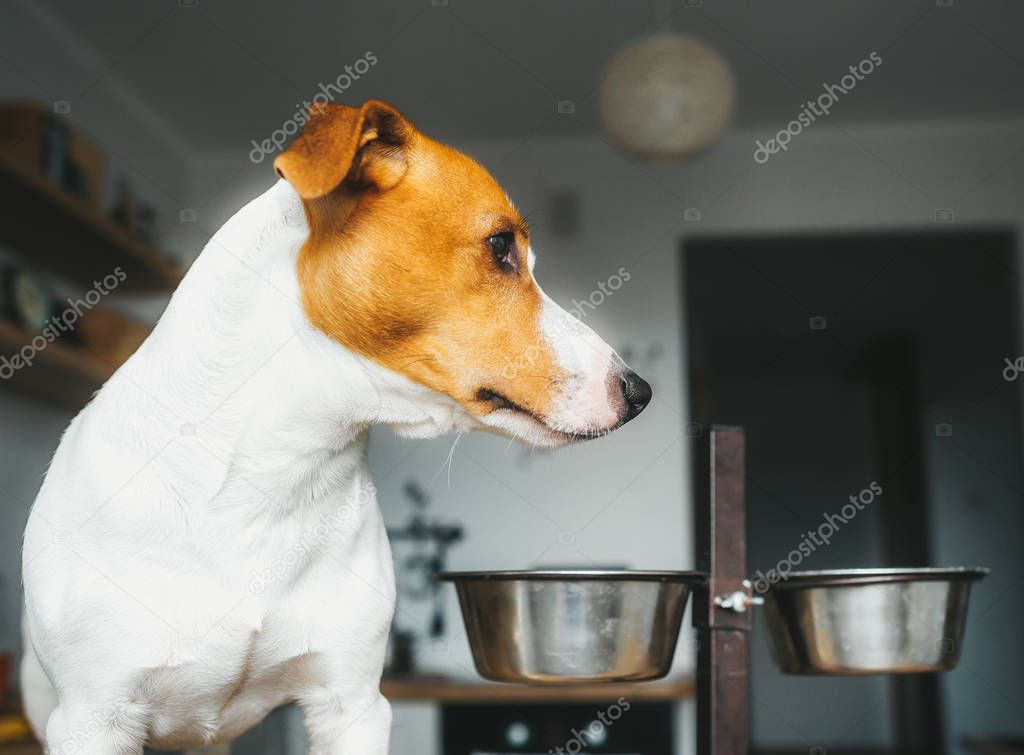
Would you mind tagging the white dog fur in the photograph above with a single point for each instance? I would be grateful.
(207, 545)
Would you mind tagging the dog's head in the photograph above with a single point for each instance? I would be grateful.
(417, 260)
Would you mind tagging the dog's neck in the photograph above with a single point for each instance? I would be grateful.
(276, 404)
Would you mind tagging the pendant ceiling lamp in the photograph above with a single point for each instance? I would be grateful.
(668, 96)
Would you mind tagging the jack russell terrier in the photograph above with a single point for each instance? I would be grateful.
(387, 279)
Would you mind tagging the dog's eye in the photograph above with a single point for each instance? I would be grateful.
(503, 249)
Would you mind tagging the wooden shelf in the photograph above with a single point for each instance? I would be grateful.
(441, 689)
(59, 374)
(59, 232)
(24, 748)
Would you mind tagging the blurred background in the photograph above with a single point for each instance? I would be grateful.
(798, 217)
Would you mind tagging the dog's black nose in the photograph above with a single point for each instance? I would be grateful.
(637, 393)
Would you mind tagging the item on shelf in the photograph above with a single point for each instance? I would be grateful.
(110, 335)
(84, 169)
(144, 222)
(123, 209)
(136, 216)
(54, 147)
(35, 137)
(25, 297)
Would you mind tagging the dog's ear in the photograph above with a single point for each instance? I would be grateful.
(362, 147)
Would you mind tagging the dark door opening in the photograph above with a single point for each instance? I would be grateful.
(865, 360)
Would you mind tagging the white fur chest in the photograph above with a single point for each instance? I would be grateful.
(207, 544)
(329, 593)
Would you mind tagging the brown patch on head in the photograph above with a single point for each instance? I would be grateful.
(398, 266)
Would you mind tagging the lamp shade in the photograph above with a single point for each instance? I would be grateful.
(667, 96)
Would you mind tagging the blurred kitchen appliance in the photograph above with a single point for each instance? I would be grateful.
(417, 575)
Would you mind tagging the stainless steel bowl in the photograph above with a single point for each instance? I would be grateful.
(869, 621)
(564, 627)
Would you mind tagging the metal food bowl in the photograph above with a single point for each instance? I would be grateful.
(565, 627)
(869, 621)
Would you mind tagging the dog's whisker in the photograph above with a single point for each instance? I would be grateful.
(447, 462)
(451, 458)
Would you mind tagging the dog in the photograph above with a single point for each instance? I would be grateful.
(206, 545)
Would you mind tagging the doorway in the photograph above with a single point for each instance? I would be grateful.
(858, 362)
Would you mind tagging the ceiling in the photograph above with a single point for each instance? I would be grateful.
(227, 71)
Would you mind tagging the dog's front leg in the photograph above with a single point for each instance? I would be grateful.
(114, 729)
(341, 724)
(349, 612)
